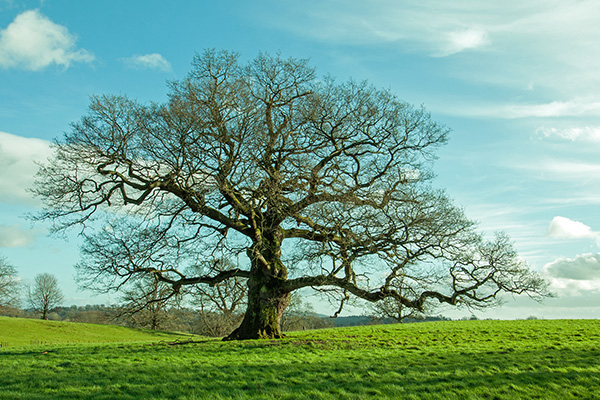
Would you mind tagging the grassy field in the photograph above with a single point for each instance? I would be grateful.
(438, 360)
(21, 332)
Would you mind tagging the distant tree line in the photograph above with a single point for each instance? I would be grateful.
(191, 320)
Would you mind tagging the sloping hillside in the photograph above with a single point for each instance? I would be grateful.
(23, 332)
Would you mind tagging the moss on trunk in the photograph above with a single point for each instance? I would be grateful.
(266, 299)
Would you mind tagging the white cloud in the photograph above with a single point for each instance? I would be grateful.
(463, 40)
(32, 41)
(573, 134)
(576, 276)
(18, 157)
(15, 236)
(583, 267)
(565, 228)
(150, 61)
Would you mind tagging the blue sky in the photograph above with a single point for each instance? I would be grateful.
(517, 81)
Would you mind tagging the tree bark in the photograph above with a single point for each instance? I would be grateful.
(263, 315)
(266, 298)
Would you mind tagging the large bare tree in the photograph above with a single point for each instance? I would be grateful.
(305, 181)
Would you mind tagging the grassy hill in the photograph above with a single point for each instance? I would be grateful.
(22, 332)
(437, 360)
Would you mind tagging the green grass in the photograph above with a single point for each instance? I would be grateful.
(442, 360)
(21, 332)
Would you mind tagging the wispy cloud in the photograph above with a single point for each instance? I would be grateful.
(439, 25)
(15, 236)
(572, 134)
(18, 157)
(559, 169)
(437, 28)
(33, 42)
(544, 45)
(149, 61)
(554, 109)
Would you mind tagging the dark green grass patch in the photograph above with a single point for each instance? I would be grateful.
(446, 360)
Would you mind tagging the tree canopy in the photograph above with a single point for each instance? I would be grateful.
(299, 181)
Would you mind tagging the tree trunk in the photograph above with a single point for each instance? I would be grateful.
(266, 300)
(263, 314)
(153, 322)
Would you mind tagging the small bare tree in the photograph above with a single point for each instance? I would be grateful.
(225, 297)
(220, 305)
(391, 308)
(10, 286)
(395, 310)
(45, 294)
(300, 315)
(148, 302)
